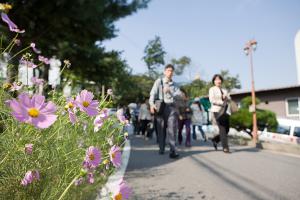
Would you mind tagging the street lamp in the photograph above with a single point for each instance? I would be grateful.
(249, 49)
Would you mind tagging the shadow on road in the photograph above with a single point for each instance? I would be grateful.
(144, 154)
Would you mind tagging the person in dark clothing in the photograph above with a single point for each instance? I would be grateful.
(185, 115)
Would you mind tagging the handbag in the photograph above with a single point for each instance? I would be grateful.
(223, 109)
(160, 104)
(233, 107)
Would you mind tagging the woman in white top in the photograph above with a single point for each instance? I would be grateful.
(219, 98)
(144, 117)
(197, 118)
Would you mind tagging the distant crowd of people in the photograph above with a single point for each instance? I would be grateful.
(169, 110)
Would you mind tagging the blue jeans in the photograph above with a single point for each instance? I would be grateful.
(200, 129)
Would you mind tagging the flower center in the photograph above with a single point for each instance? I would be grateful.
(113, 155)
(33, 112)
(70, 105)
(118, 196)
(85, 104)
(92, 156)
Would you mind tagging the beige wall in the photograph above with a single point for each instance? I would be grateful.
(273, 100)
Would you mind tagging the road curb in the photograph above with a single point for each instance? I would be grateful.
(115, 178)
(279, 147)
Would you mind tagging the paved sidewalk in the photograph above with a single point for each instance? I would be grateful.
(202, 173)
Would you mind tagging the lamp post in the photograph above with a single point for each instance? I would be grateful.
(249, 49)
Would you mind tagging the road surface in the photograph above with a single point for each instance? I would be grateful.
(203, 173)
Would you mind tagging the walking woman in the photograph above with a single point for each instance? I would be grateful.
(219, 99)
(185, 115)
(197, 118)
(144, 118)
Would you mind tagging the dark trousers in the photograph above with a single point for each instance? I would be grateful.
(187, 124)
(144, 125)
(201, 131)
(223, 125)
(167, 125)
(136, 125)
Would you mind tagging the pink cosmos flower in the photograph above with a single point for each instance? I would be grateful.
(28, 148)
(28, 63)
(33, 110)
(32, 45)
(92, 157)
(29, 177)
(37, 81)
(115, 156)
(78, 181)
(16, 86)
(71, 108)
(90, 178)
(121, 117)
(99, 120)
(122, 192)
(104, 114)
(12, 26)
(44, 60)
(86, 103)
(98, 123)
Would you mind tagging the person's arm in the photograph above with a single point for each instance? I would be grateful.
(213, 99)
(153, 95)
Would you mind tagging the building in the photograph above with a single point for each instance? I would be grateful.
(284, 101)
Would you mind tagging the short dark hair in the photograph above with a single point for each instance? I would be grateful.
(217, 76)
(169, 66)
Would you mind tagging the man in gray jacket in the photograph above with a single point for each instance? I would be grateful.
(165, 89)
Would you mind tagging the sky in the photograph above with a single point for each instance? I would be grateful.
(213, 34)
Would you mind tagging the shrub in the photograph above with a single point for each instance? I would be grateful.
(242, 120)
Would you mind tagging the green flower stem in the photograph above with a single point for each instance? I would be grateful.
(10, 44)
(66, 190)
(18, 53)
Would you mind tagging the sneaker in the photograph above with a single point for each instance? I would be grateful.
(174, 155)
(161, 152)
(226, 151)
(215, 144)
(188, 145)
(194, 136)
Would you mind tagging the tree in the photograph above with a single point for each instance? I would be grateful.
(230, 82)
(154, 56)
(242, 120)
(196, 88)
(201, 87)
(136, 88)
(69, 28)
(180, 64)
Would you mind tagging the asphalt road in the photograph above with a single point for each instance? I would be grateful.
(203, 173)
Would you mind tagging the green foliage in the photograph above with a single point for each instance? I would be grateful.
(154, 55)
(136, 88)
(69, 29)
(58, 153)
(196, 88)
(181, 64)
(201, 87)
(247, 101)
(230, 82)
(242, 120)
